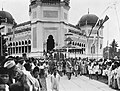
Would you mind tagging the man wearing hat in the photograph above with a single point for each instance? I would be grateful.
(25, 81)
(18, 75)
(21, 63)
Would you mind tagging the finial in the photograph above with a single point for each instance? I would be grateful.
(88, 10)
(2, 5)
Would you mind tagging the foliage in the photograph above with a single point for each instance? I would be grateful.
(110, 51)
(113, 48)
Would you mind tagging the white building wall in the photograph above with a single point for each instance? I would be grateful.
(48, 20)
(98, 52)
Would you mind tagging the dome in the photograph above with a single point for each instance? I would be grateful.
(7, 15)
(89, 19)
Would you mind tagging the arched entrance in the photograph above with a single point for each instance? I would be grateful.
(50, 43)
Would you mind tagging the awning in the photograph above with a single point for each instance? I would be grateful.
(68, 39)
(70, 47)
(59, 49)
(64, 48)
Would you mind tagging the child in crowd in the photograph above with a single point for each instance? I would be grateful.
(4, 79)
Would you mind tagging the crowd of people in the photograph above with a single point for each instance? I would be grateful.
(22, 75)
(29, 74)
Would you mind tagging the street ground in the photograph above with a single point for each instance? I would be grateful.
(80, 83)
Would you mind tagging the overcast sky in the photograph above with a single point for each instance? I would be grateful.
(20, 11)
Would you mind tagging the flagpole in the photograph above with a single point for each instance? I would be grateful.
(108, 40)
(98, 20)
(1, 44)
(97, 46)
(108, 48)
(96, 25)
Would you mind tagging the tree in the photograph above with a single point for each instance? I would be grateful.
(106, 52)
(113, 48)
(109, 52)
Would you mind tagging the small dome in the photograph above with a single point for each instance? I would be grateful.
(7, 15)
(89, 19)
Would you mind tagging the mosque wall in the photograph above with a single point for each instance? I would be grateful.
(46, 20)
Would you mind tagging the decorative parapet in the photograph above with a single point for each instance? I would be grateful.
(50, 2)
(19, 31)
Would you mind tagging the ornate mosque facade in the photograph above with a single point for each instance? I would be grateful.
(49, 28)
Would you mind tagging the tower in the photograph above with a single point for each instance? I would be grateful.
(48, 23)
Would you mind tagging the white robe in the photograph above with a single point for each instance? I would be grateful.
(55, 82)
(118, 77)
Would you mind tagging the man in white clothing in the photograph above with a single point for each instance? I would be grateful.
(55, 79)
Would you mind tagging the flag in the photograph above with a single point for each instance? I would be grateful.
(105, 19)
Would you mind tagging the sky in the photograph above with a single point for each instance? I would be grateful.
(19, 9)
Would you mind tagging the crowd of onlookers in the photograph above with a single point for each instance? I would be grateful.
(29, 74)
(23, 75)
(108, 69)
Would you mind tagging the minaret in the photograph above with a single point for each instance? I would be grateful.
(48, 19)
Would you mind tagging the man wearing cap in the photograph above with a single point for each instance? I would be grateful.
(10, 64)
(21, 63)
(25, 81)
(17, 74)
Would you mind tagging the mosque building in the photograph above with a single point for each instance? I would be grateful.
(49, 29)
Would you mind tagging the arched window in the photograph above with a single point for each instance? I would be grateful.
(84, 45)
(10, 44)
(16, 43)
(10, 39)
(29, 42)
(93, 49)
(22, 42)
(19, 43)
(73, 43)
(13, 43)
(26, 42)
(80, 44)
